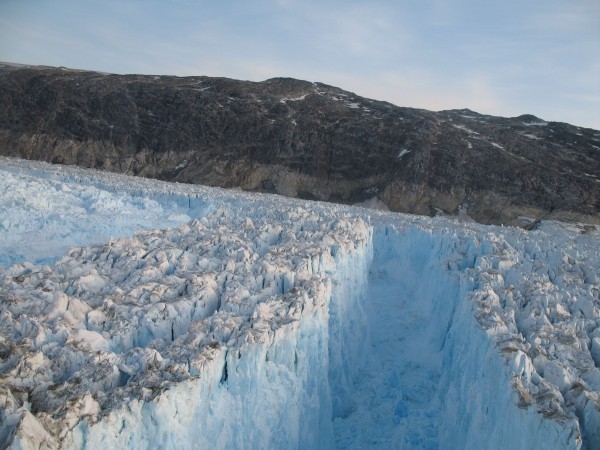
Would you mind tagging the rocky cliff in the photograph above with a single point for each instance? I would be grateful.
(302, 139)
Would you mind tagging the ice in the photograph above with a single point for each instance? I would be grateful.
(41, 217)
(396, 405)
(239, 320)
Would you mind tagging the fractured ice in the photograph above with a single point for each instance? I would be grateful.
(256, 321)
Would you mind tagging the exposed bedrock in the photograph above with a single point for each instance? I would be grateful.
(305, 140)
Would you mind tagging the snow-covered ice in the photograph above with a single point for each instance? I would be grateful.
(41, 217)
(142, 314)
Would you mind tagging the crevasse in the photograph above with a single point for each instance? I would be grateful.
(473, 408)
(275, 323)
(285, 392)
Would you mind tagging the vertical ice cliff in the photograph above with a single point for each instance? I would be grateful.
(499, 323)
(214, 334)
(276, 323)
(484, 350)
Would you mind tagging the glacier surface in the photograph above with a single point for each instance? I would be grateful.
(141, 314)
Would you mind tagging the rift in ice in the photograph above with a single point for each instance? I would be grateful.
(231, 320)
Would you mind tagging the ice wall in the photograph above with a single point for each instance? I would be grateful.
(215, 334)
(348, 323)
(274, 393)
(261, 395)
(485, 358)
(479, 406)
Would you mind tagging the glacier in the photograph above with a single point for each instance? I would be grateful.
(142, 314)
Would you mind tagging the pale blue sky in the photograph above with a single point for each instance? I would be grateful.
(501, 57)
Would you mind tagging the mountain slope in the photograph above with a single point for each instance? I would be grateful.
(302, 139)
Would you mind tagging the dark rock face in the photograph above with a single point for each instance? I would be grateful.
(302, 139)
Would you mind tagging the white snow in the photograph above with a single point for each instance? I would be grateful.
(268, 322)
(183, 164)
(200, 86)
(531, 136)
(464, 128)
(296, 99)
(402, 153)
(536, 124)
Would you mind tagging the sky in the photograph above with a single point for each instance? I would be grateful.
(499, 57)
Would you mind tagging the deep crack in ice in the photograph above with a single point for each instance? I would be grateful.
(264, 324)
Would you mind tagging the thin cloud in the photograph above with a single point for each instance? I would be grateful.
(500, 58)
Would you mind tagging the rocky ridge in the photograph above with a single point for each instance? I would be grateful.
(303, 139)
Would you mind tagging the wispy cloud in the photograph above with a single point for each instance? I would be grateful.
(507, 57)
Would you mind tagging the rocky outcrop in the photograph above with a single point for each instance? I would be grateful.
(302, 139)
